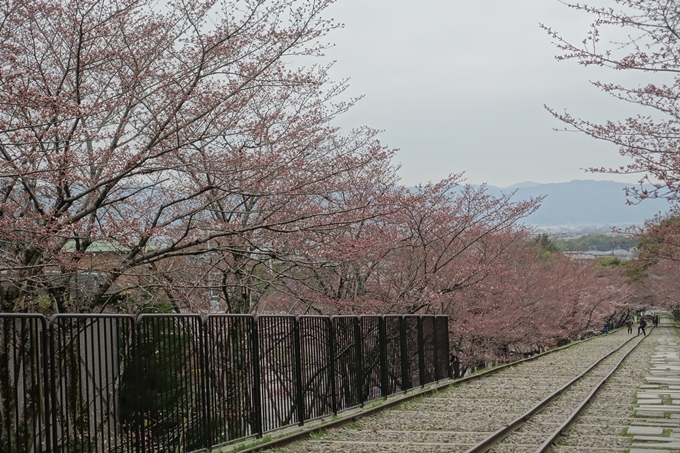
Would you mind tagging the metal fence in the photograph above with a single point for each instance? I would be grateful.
(181, 383)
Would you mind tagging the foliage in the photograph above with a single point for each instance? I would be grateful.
(166, 357)
(609, 261)
(546, 246)
(600, 242)
(660, 240)
(676, 313)
(525, 304)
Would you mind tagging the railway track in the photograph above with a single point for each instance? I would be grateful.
(562, 408)
(488, 414)
(636, 400)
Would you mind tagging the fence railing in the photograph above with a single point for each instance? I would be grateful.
(180, 383)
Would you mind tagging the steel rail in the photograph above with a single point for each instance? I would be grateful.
(345, 419)
(574, 415)
(491, 441)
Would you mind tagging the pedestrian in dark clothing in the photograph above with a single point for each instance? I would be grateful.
(656, 321)
(629, 323)
(642, 326)
(606, 328)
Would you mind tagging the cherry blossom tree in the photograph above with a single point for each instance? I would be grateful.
(452, 249)
(635, 36)
(161, 130)
(530, 300)
(658, 290)
(655, 271)
(400, 258)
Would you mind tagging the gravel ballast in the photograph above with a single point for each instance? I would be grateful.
(455, 419)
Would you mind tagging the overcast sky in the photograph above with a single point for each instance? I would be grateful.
(459, 85)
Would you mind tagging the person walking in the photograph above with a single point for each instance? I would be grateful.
(629, 324)
(606, 328)
(642, 326)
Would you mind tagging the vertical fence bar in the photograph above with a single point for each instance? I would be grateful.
(359, 362)
(53, 387)
(57, 427)
(331, 359)
(384, 371)
(298, 372)
(421, 352)
(411, 353)
(269, 399)
(428, 332)
(257, 396)
(47, 379)
(405, 372)
(441, 347)
(138, 392)
(447, 347)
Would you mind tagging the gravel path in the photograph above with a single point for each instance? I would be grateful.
(456, 419)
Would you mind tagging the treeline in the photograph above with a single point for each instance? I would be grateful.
(598, 242)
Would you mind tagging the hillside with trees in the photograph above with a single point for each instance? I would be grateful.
(598, 242)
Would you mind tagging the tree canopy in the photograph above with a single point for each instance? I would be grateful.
(171, 156)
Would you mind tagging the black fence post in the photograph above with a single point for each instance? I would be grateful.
(257, 396)
(298, 372)
(331, 355)
(405, 372)
(436, 343)
(448, 350)
(384, 372)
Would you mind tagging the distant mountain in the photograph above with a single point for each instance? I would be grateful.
(583, 203)
(522, 185)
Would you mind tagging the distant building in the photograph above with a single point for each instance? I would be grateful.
(587, 256)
